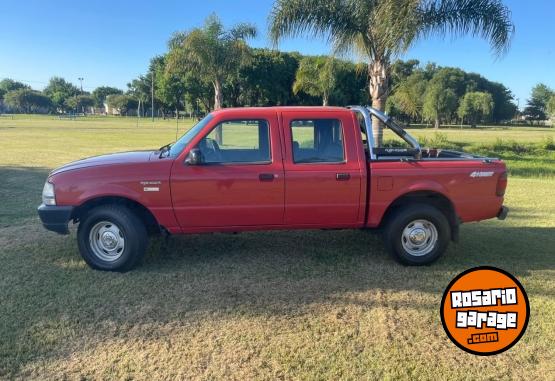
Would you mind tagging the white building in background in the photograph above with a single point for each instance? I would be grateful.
(108, 110)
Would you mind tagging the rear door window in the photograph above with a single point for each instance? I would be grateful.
(317, 141)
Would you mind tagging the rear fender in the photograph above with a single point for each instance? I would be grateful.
(428, 192)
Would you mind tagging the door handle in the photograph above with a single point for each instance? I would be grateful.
(342, 176)
(266, 177)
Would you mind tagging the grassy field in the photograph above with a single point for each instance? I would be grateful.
(272, 305)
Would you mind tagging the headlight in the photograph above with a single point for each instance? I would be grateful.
(48, 196)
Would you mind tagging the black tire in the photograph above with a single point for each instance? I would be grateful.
(403, 218)
(133, 232)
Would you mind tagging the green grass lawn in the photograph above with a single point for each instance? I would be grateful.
(267, 305)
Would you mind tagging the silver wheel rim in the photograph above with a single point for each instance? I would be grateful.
(419, 237)
(107, 241)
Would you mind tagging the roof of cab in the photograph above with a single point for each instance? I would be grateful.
(281, 108)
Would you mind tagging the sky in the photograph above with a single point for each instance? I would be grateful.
(112, 42)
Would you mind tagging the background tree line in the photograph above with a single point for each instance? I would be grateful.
(211, 67)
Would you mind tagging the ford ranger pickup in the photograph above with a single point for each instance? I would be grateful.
(247, 169)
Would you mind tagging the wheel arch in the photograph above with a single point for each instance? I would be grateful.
(141, 211)
(428, 197)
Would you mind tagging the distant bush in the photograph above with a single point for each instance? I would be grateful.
(393, 143)
(548, 144)
(440, 140)
(507, 146)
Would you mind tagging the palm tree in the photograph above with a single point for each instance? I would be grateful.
(212, 52)
(380, 30)
(316, 76)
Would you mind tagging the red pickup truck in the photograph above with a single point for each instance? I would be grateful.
(275, 168)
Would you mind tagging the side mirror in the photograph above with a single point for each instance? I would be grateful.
(194, 157)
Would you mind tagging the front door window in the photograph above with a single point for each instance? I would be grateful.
(237, 141)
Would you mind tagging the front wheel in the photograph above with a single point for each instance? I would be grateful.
(111, 238)
(417, 234)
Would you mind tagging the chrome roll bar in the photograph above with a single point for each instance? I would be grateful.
(368, 128)
(387, 120)
(367, 113)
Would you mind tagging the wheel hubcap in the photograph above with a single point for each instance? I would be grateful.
(107, 241)
(419, 237)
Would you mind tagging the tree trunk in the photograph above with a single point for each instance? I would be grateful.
(378, 71)
(218, 100)
(325, 100)
(218, 95)
(436, 123)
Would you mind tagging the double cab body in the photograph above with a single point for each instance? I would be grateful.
(274, 168)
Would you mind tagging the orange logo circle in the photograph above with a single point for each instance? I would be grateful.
(485, 310)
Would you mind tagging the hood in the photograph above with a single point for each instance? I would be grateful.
(111, 159)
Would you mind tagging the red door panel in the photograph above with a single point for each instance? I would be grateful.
(227, 195)
(324, 194)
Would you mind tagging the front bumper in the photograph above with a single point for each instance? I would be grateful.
(502, 214)
(55, 218)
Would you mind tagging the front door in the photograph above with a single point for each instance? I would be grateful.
(322, 173)
(240, 180)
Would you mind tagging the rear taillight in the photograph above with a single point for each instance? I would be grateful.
(501, 184)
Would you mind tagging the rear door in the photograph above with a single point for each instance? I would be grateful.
(240, 182)
(323, 169)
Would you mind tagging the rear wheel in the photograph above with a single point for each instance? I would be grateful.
(417, 234)
(111, 238)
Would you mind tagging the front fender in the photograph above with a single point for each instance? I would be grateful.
(145, 185)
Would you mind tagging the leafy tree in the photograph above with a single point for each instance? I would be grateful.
(408, 97)
(100, 93)
(542, 93)
(536, 107)
(141, 89)
(442, 95)
(170, 89)
(79, 102)
(267, 78)
(476, 106)
(380, 30)
(59, 90)
(121, 102)
(551, 107)
(401, 70)
(534, 110)
(8, 84)
(439, 104)
(27, 101)
(351, 85)
(211, 51)
(199, 91)
(316, 77)
(504, 108)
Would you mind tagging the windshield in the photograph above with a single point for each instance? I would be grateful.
(180, 144)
